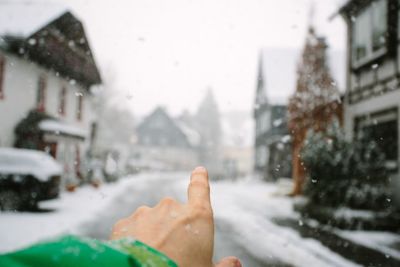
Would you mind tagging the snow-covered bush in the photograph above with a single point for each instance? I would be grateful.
(27, 132)
(343, 173)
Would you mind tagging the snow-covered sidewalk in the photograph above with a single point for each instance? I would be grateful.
(250, 207)
(384, 242)
(18, 229)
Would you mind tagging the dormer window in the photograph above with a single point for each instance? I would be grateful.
(370, 28)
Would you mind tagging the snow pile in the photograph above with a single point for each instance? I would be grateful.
(351, 214)
(248, 210)
(28, 162)
(381, 241)
(66, 214)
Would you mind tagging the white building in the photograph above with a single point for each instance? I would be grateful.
(45, 92)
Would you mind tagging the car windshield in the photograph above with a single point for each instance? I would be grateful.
(292, 107)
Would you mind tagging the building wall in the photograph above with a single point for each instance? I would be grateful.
(19, 86)
(372, 105)
(20, 91)
(375, 86)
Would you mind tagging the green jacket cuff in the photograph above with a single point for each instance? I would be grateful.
(71, 251)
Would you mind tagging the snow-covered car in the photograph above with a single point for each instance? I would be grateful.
(26, 177)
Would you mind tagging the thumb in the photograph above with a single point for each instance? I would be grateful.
(229, 262)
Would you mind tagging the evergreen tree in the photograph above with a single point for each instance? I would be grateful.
(344, 173)
(315, 87)
(313, 104)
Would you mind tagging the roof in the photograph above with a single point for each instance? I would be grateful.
(161, 122)
(158, 111)
(189, 133)
(63, 38)
(28, 162)
(280, 71)
(192, 136)
(351, 6)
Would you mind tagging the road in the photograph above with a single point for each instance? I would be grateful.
(242, 227)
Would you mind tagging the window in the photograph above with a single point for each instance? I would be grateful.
(361, 36)
(2, 70)
(369, 33)
(383, 129)
(79, 109)
(63, 99)
(93, 133)
(41, 94)
(379, 24)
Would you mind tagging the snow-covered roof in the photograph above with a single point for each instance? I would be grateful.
(191, 134)
(61, 128)
(25, 161)
(35, 16)
(37, 30)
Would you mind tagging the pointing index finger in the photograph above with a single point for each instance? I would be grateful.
(199, 188)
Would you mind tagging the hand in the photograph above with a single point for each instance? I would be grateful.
(184, 232)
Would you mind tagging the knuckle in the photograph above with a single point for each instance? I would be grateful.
(139, 212)
(142, 209)
(168, 201)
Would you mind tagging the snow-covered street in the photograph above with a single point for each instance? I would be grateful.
(246, 215)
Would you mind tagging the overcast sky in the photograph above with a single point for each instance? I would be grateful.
(169, 52)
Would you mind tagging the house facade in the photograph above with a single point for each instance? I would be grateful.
(164, 143)
(272, 142)
(372, 99)
(46, 101)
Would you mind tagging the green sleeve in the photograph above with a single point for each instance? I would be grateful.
(71, 251)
